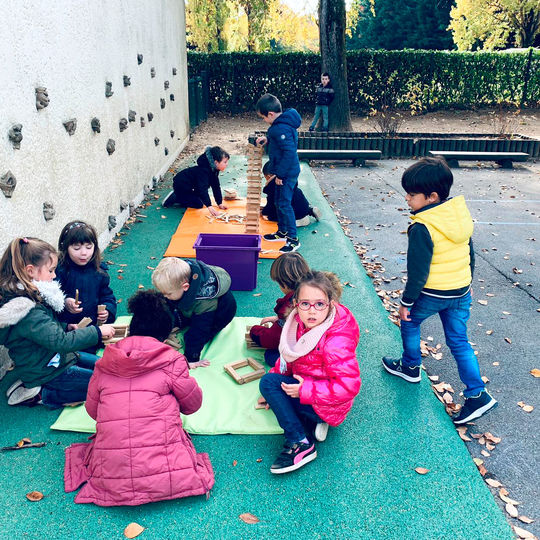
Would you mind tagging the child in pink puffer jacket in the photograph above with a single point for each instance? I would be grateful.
(316, 377)
(140, 453)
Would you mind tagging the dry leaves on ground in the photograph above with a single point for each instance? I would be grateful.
(133, 530)
(34, 496)
(535, 372)
(421, 470)
(526, 408)
(249, 518)
(522, 533)
(493, 483)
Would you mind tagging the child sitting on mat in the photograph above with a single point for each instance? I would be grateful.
(287, 270)
(140, 452)
(190, 186)
(316, 378)
(301, 207)
(200, 298)
(44, 353)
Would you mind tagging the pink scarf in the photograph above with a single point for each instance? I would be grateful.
(290, 348)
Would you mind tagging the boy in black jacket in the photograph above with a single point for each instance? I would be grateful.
(200, 298)
(190, 186)
(440, 263)
(324, 96)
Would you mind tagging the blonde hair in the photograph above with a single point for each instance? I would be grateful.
(171, 272)
(20, 253)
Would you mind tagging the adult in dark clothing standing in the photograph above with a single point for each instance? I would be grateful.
(190, 186)
(324, 96)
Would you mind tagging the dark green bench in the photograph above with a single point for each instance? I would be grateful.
(358, 157)
(504, 159)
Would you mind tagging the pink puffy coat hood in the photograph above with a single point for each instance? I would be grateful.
(140, 453)
(330, 371)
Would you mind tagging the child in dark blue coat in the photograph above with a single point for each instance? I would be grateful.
(282, 139)
(83, 277)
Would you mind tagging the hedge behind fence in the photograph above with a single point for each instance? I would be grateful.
(432, 79)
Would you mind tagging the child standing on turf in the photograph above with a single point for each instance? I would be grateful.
(140, 452)
(440, 264)
(316, 378)
(200, 298)
(41, 349)
(80, 269)
(282, 139)
(287, 270)
(324, 97)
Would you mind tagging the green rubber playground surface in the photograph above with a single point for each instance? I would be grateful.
(362, 484)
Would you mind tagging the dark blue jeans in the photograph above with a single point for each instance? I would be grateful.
(285, 213)
(454, 314)
(296, 419)
(320, 110)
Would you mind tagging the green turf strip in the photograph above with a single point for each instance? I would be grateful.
(363, 483)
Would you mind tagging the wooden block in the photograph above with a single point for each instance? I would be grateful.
(257, 373)
(101, 307)
(84, 322)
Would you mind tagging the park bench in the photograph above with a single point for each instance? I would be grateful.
(504, 159)
(357, 156)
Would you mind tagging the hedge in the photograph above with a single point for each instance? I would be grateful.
(432, 79)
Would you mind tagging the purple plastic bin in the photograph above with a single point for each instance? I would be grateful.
(236, 253)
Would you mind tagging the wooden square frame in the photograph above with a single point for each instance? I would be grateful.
(257, 373)
(120, 332)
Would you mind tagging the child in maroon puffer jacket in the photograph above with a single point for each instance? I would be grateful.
(140, 452)
(287, 270)
(317, 377)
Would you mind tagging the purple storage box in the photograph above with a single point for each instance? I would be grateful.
(236, 253)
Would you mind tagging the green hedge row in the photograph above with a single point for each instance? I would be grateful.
(432, 79)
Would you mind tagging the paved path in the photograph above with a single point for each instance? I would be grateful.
(506, 207)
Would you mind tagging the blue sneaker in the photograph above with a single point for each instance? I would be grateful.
(396, 367)
(475, 407)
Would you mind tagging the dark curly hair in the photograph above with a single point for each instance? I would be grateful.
(151, 315)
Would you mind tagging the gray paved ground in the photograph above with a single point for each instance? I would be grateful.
(506, 207)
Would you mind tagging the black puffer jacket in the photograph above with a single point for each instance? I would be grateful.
(196, 180)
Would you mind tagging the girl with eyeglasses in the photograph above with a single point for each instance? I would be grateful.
(316, 378)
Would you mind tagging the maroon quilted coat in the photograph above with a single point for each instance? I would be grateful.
(140, 453)
(269, 337)
(330, 371)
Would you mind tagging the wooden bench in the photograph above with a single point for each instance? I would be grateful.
(358, 156)
(504, 159)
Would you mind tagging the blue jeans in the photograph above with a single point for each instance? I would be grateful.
(320, 109)
(69, 387)
(296, 419)
(271, 357)
(285, 213)
(454, 314)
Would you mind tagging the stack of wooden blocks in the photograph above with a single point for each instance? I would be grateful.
(253, 203)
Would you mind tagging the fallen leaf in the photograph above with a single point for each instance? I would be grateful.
(234, 463)
(482, 470)
(433, 378)
(249, 518)
(34, 496)
(258, 460)
(503, 494)
(133, 530)
(496, 364)
(517, 270)
(489, 332)
(525, 519)
(535, 372)
(485, 453)
(257, 294)
(493, 483)
(483, 302)
(522, 533)
(421, 470)
(528, 408)
(491, 437)
(462, 430)
(447, 397)
(508, 340)
(511, 510)
(490, 446)
(141, 286)
(478, 461)
(23, 441)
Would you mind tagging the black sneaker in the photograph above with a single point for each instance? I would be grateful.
(291, 245)
(311, 128)
(278, 236)
(293, 457)
(475, 407)
(169, 200)
(395, 367)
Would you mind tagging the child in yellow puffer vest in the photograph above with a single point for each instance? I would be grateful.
(440, 264)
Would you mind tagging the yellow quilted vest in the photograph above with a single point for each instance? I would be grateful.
(450, 226)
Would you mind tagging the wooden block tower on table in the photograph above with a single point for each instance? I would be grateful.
(253, 203)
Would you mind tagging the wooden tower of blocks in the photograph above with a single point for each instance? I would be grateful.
(253, 203)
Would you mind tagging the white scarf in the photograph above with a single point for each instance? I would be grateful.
(51, 293)
(290, 349)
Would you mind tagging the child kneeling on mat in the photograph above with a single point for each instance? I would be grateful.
(200, 298)
(140, 452)
(317, 377)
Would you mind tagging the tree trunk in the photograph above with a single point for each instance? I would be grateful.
(334, 60)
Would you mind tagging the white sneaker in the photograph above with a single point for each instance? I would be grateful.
(321, 431)
(22, 394)
(15, 385)
(317, 213)
(303, 222)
